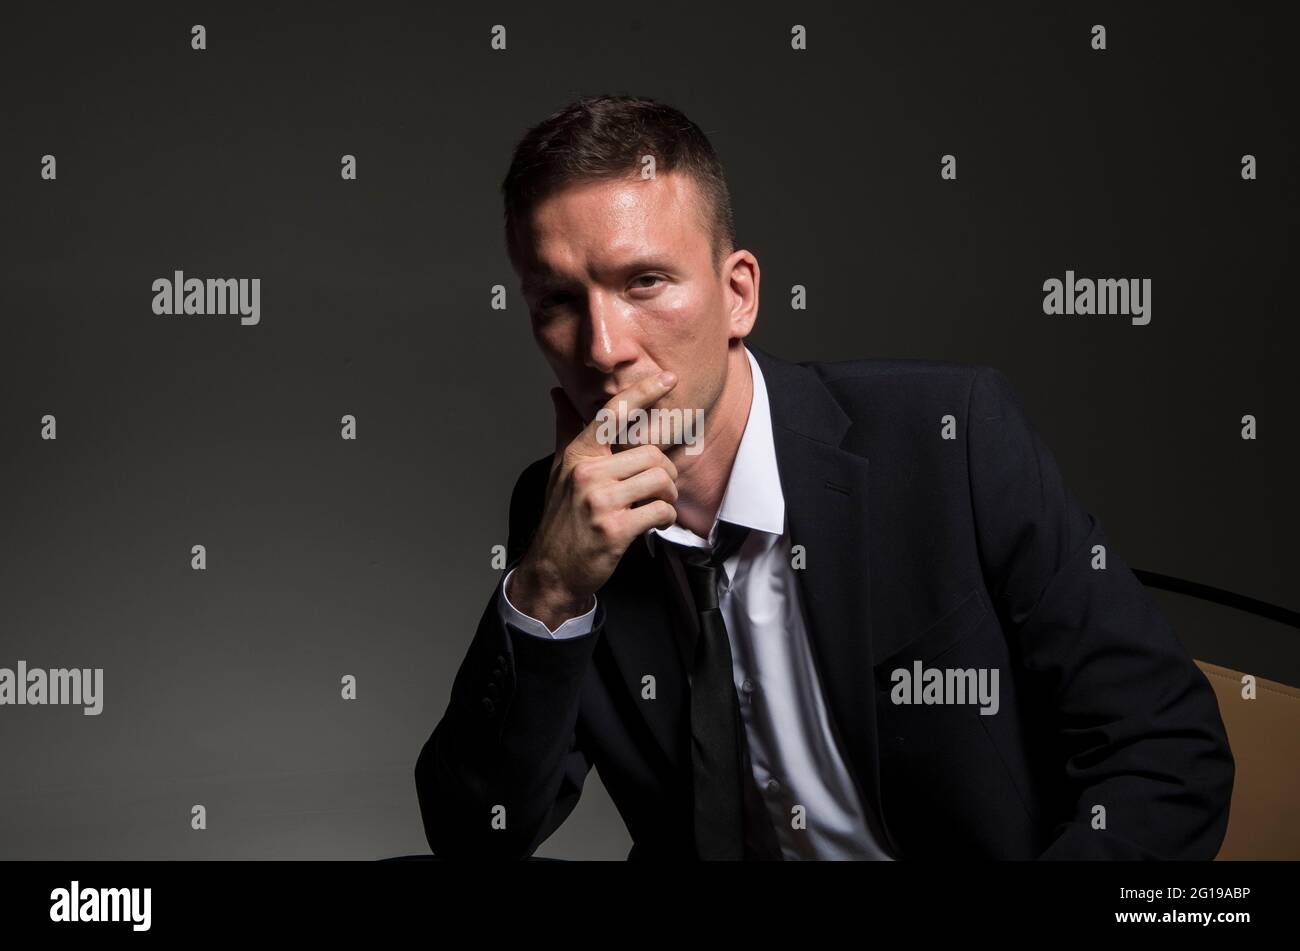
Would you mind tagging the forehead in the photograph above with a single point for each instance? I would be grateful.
(594, 225)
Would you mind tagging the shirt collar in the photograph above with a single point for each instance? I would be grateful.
(753, 496)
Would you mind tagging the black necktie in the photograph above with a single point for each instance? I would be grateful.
(730, 820)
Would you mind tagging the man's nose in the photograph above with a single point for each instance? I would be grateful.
(610, 337)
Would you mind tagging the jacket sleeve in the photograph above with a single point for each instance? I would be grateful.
(1134, 723)
(504, 766)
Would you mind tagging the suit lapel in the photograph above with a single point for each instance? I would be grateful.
(825, 489)
(643, 639)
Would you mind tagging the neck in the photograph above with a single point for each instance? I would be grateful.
(702, 478)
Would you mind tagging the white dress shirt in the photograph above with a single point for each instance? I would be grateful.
(792, 747)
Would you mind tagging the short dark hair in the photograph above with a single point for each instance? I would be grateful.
(605, 137)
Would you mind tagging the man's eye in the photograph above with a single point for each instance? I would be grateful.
(647, 277)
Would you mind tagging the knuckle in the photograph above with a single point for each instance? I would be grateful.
(644, 454)
(662, 460)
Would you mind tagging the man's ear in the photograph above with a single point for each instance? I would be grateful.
(741, 275)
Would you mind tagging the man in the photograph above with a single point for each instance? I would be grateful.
(862, 618)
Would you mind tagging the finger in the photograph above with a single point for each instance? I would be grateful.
(656, 514)
(634, 459)
(653, 483)
(637, 396)
(568, 424)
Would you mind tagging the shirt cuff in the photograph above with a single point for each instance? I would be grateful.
(573, 627)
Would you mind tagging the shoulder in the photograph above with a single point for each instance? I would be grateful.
(906, 385)
(530, 487)
(896, 405)
(526, 501)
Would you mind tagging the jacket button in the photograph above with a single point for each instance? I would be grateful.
(488, 705)
(492, 691)
(501, 660)
(497, 673)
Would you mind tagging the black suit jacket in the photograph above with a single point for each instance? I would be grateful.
(966, 552)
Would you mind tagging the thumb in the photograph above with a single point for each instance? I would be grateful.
(568, 424)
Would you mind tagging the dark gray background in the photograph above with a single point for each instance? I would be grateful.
(372, 557)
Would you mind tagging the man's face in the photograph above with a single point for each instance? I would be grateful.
(620, 283)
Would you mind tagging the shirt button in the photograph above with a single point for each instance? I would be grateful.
(773, 786)
(747, 686)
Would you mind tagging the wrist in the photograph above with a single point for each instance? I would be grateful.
(536, 591)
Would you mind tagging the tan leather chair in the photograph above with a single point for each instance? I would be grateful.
(1264, 733)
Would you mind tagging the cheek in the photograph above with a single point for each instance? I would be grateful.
(684, 315)
(554, 339)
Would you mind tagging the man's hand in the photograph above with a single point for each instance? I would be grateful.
(598, 502)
